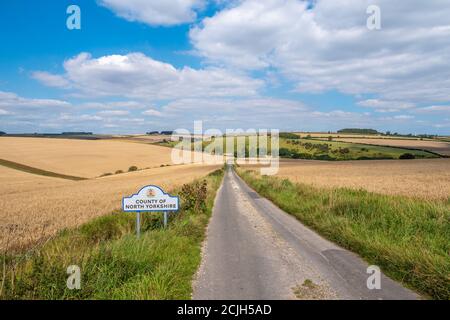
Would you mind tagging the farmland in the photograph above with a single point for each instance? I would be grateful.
(439, 147)
(336, 150)
(291, 146)
(82, 158)
(116, 264)
(34, 207)
(427, 178)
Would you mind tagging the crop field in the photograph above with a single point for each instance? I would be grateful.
(290, 146)
(337, 150)
(82, 158)
(351, 135)
(427, 178)
(34, 207)
(442, 148)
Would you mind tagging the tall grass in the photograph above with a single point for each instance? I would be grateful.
(114, 263)
(408, 238)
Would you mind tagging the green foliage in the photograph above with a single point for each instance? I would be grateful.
(408, 238)
(358, 131)
(407, 156)
(132, 168)
(289, 135)
(193, 195)
(106, 174)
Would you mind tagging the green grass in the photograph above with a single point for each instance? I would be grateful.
(114, 263)
(21, 167)
(408, 238)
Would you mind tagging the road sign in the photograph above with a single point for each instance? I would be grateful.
(150, 199)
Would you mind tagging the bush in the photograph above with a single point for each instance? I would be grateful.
(133, 168)
(283, 152)
(407, 156)
(288, 135)
(106, 174)
(193, 196)
(119, 171)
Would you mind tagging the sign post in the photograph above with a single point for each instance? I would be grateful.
(150, 199)
(165, 218)
(138, 224)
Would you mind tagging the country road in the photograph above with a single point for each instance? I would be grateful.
(254, 250)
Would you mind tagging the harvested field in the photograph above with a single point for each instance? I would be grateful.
(433, 146)
(427, 179)
(82, 158)
(35, 207)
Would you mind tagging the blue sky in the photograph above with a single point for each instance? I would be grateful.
(138, 66)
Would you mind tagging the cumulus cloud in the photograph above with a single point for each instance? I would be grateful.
(386, 106)
(50, 80)
(328, 46)
(156, 12)
(10, 100)
(138, 76)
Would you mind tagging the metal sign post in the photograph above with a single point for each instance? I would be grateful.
(165, 219)
(138, 224)
(150, 199)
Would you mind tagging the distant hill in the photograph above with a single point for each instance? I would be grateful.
(359, 131)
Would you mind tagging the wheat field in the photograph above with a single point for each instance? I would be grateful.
(434, 146)
(82, 158)
(34, 207)
(426, 179)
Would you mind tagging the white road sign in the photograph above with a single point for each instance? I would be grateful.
(151, 198)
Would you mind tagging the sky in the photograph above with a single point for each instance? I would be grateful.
(293, 65)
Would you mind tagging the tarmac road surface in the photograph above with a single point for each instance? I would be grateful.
(256, 251)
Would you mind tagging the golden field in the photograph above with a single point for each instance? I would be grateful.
(34, 207)
(434, 146)
(427, 179)
(82, 158)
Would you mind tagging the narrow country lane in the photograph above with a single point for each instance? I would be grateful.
(254, 250)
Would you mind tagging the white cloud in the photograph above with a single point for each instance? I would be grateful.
(4, 112)
(50, 80)
(113, 113)
(156, 12)
(80, 118)
(138, 76)
(434, 109)
(152, 112)
(329, 46)
(386, 106)
(403, 117)
(11, 100)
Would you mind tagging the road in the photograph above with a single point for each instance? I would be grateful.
(256, 251)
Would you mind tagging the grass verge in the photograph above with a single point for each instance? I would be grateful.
(114, 263)
(408, 238)
(22, 167)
